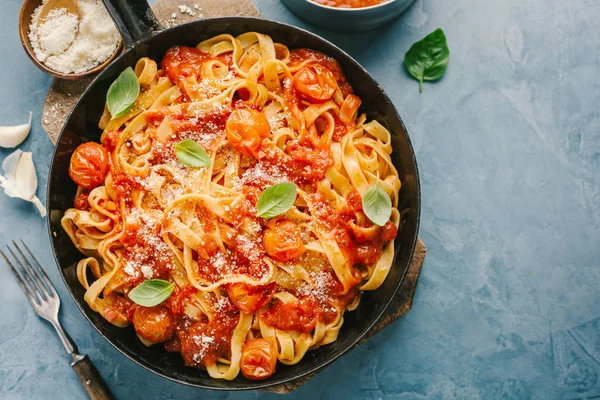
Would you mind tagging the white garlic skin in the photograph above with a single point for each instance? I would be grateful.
(20, 179)
(12, 136)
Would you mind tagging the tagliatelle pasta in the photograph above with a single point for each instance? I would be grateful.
(248, 291)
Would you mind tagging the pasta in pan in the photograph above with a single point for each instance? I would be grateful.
(243, 291)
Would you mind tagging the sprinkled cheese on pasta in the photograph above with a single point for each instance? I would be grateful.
(248, 291)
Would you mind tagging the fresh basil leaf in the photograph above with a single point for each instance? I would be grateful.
(377, 205)
(276, 200)
(122, 93)
(151, 293)
(427, 59)
(192, 154)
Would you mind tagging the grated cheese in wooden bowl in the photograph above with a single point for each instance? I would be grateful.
(71, 45)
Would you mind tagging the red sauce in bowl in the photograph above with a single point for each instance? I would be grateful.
(349, 3)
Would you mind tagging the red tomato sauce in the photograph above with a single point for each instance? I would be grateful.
(176, 303)
(246, 259)
(81, 201)
(349, 3)
(205, 130)
(304, 162)
(117, 305)
(203, 342)
(143, 253)
(110, 139)
(301, 315)
(356, 249)
(249, 299)
(299, 55)
(308, 163)
(182, 61)
(339, 130)
(124, 184)
(155, 117)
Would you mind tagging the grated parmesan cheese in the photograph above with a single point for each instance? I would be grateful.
(319, 288)
(203, 341)
(141, 259)
(262, 173)
(247, 246)
(186, 10)
(276, 121)
(130, 269)
(57, 32)
(221, 304)
(147, 271)
(218, 261)
(69, 46)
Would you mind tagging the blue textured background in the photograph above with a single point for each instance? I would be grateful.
(508, 144)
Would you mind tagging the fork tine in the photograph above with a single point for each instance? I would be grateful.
(33, 273)
(28, 276)
(45, 277)
(30, 296)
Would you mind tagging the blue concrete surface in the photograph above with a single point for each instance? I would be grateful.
(508, 144)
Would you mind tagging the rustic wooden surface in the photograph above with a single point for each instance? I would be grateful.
(63, 95)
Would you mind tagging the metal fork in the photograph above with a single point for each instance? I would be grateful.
(45, 302)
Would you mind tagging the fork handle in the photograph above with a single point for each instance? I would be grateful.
(90, 379)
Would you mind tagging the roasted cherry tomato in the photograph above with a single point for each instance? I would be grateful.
(315, 82)
(283, 241)
(89, 165)
(246, 128)
(155, 324)
(259, 358)
(300, 315)
(390, 231)
(248, 299)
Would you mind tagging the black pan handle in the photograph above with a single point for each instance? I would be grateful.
(135, 20)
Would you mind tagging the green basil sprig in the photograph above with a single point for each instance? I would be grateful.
(377, 205)
(276, 200)
(122, 93)
(427, 59)
(151, 293)
(192, 154)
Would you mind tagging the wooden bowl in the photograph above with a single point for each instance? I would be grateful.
(25, 17)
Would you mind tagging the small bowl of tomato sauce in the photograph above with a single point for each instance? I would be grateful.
(348, 15)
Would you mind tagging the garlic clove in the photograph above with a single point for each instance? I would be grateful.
(10, 165)
(20, 179)
(25, 177)
(12, 136)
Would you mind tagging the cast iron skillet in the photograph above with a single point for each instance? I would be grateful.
(144, 36)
